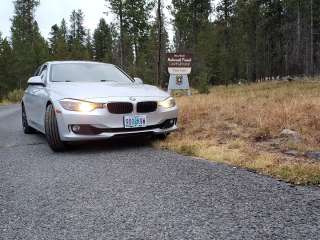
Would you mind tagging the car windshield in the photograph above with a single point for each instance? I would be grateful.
(87, 72)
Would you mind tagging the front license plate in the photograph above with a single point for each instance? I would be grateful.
(135, 121)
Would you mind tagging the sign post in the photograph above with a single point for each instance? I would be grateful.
(179, 67)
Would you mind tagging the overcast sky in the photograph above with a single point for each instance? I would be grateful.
(51, 12)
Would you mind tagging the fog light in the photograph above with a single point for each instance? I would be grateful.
(75, 128)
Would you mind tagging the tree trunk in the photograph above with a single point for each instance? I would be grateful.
(311, 40)
(298, 47)
(121, 33)
(158, 80)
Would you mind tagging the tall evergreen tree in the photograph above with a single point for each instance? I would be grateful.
(77, 35)
(59, 41)
(147, 67)
(25, 40)
(117, 8)
(89, 45)
(103, 42)
(54, 38)
(190, 18)
(7, 82)
(136, 15)
(40, 47)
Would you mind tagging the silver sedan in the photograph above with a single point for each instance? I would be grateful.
(74, 100)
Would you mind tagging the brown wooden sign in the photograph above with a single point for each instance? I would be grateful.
(179, 63)
(179, 60)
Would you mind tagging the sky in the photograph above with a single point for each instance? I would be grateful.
(51, 12)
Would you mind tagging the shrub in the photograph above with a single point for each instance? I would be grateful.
(203, 85)
(188, 150)
(15, 95)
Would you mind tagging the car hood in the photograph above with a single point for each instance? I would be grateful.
(104, 90)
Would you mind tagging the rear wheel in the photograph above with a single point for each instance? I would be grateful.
(52, 132)
(26, 128)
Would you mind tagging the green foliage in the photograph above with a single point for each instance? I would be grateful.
(59, 41)
(29, 48)
(77, 36)
(189, 19)
(103, 42)
(148, 57)
(6, 67)
(251, 40)
(203, 83)
(136, 15)
(15, 95)
(247, 40)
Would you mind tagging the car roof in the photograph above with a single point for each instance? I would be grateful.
(68, 62)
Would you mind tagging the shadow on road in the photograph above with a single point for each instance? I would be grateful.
(117, 143)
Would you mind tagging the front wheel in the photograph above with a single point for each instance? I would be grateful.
(52, 131)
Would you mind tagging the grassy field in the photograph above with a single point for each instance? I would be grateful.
(14, 96)
(4, 102)
(241, 126)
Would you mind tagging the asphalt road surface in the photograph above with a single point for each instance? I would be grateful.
(125, 190)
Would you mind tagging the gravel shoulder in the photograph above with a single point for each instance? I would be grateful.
(124, 190)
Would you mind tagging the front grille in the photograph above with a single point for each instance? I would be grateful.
(146, 107)
(120, 107)
(91, 130)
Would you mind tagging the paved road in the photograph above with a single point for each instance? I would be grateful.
(122, 190)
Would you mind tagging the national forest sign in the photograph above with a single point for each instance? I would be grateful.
(179, 63)
(179, 66)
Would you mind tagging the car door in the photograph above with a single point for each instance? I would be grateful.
(40, 98)
(30, 101)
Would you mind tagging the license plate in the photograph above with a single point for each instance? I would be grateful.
(135, 121)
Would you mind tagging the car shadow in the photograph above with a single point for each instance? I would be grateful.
(112, 144)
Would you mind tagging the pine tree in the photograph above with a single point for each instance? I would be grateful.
(147, 62)
(190, 17)
(77, 36)
(25, 34)
(89, 45)
(225, 11)
(136, 15)
(59, 42)
(103, 42)
(6, 67)
(54, 38)
(40, 47)
(116, 7)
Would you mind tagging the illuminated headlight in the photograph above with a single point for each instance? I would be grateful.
(167, 103)
(79, 106)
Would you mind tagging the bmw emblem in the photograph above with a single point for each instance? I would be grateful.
(132, 98)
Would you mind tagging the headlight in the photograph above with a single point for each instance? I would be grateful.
(167, 103)
(79, 106)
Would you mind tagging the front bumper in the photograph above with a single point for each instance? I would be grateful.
(101, 124)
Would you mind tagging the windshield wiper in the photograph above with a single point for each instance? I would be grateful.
(103, 80)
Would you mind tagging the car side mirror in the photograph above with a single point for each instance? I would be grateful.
(138, 80)
(36, 81)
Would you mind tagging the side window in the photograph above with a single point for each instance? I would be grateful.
(43, 73)
(37, 71)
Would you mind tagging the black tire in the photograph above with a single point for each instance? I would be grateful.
(25, 126)
(52, 132)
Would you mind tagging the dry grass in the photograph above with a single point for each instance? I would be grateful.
(240, 125)
(14, 96)
(5, 102)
